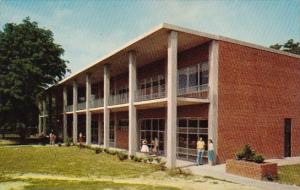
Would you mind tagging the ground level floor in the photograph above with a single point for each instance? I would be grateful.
(192, 123)
(151, 127)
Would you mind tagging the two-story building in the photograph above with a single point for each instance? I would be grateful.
(175, 85)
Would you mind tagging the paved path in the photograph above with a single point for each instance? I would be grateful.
(218, 171)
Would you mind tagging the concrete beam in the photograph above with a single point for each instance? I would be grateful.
(105, 105)
(213, 93)
(171, 100)
(75, 119)
(88, 113)
(132, 144)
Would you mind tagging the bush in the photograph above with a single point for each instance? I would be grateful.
(157, 159)
(145, 160)
(258, 158)
(132, 157)
(150, 159)
(161, 166)
(122, 156)
(249, 155)
(112, 152)
(106, 150)
(59, 144)
(98, 150)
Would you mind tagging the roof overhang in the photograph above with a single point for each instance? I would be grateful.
(150, 47)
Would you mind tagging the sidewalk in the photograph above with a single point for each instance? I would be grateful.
(218, 171)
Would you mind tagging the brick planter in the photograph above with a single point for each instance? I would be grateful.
(251, 169)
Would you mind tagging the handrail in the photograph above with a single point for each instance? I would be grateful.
(118, 99)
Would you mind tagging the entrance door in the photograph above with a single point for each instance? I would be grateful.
(287, 137)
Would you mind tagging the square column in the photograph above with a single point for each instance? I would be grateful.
(132, 144)
(44, 118)
(213, 93)
(172, 100)
(40, 119)
(65, 103)
(105, 105)
(88, 123)
(75, 102)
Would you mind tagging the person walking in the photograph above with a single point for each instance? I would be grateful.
(210, 152)
(200, 151)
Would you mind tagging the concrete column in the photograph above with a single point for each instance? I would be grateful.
(40, 119)
(88, 123)
(132, 144)
(99, 130)
(65, 120)
(213, 93)
(75, 102)
(172, 100)
(105, 105)
(45, 115)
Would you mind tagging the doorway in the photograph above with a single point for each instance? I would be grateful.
(287, 137)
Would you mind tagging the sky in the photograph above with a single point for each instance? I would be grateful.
(90, 29)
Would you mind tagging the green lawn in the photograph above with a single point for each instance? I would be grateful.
(75, 185)
(70, 161)
(289, 174)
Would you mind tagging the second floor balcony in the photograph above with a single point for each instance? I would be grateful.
(118, 99)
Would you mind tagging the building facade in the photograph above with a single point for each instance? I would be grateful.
(175, 85)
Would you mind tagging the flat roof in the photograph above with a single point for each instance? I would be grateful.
(131, 45)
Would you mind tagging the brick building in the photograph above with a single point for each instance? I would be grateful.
(177, 84)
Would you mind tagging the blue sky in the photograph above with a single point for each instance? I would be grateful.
(88, 30)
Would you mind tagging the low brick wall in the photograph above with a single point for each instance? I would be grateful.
(251, 169)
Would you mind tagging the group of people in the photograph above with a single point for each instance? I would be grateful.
(152, 148)
(201, 149)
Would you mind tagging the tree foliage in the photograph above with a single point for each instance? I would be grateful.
(30, 61)
(289, 46)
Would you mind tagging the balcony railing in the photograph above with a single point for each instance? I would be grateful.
(150, 94)
(199, 91)
(118, 99)
(81, 106)
(96, 103)
(69, 108)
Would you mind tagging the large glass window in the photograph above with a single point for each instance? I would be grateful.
(188, 132)
(150, 129)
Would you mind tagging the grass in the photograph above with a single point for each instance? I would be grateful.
(69, 161)
(289, 174)
(76, 185)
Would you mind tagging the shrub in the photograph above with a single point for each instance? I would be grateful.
(150, 159)
(258, 158)
(59, 144)
(98, 150)
(249, 155)
(112, 152)
(145, 160)
(106, 150)
(161, 166)
(122, 156)
(131, 157)
(157, 159)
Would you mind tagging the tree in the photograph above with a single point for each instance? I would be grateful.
(30, 61)
(289, 46)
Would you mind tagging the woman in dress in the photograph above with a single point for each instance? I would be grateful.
(155, 146)
(211, 153)
(145, 148)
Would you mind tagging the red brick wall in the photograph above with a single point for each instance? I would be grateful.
(193, 56)
(257, 90)
(121, 134)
